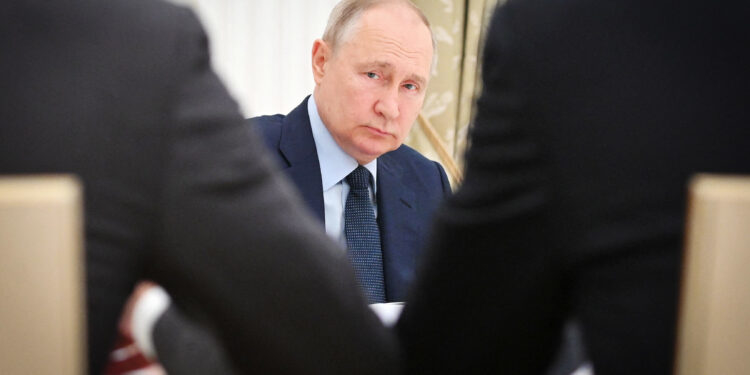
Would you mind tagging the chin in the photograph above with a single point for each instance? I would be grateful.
(368, 154)
(377, 150)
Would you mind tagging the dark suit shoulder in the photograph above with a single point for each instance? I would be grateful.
(410, 155)
(427, 173)
(269, 127)
(138, 24)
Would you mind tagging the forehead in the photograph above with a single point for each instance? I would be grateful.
(390, 36)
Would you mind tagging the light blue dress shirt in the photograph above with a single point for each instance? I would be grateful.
(335, 165)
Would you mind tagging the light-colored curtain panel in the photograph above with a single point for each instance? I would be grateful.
(459, 27)
(262, 48)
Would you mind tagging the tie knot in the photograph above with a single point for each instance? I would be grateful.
(359, 178)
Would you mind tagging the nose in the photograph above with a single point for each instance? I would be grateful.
(387, 104)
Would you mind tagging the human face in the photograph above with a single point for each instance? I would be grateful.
(371, 88)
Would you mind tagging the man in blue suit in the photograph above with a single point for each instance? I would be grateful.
(371, 70)
(408, 186)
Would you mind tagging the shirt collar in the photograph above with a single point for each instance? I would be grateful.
(335, 164)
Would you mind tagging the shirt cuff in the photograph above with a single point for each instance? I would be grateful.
(388, 312)
(147, 311)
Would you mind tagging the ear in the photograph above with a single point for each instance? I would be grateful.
(321, 53)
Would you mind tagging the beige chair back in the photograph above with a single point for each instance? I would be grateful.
(714, 324)
(41, 276)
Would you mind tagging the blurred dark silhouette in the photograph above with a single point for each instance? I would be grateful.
(177, 189)
(593, 116)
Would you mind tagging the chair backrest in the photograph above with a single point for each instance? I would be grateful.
(714, 324)
(42, 318)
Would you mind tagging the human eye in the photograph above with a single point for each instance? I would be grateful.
(373, 75)
(411, 87)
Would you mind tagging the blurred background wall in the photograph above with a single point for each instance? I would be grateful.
(261, 48)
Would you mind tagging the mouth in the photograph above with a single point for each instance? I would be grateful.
(376, 131)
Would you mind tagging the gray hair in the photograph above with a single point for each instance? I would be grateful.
(345, 14)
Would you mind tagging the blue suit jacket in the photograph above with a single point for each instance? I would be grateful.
(410, 187)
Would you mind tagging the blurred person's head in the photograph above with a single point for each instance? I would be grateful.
(371, 70)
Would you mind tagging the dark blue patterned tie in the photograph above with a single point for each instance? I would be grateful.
(363, 236)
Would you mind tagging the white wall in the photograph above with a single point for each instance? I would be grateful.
(261, 48)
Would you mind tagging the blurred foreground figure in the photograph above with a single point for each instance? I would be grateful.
(593, 117)
(177, 190)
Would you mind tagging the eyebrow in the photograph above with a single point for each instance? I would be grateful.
(385, 65)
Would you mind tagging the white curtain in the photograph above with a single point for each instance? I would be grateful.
(262, 48)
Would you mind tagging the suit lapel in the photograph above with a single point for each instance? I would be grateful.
(398, 222)
(397, 201)
(297, 146)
